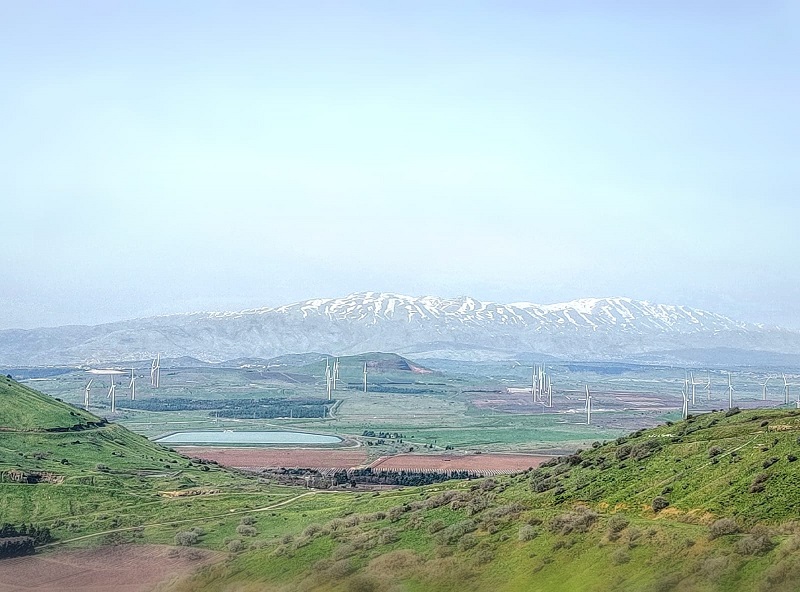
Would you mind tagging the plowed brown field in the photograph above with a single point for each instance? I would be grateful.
(123, 568)
(270, 458)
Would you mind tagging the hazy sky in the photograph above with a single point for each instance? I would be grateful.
(164, 157)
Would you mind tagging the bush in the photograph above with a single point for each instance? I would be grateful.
(248, 520)
(620, 557)
(659, 503)
(187, 538)
(754, 544)
(616, 524)
(527, 533)
(642, 450)
(714, 451)
(235, 546)
(579, 520)
(436, 526)
(770, 461)
(245, 530)
(758, 484)
(722, 527)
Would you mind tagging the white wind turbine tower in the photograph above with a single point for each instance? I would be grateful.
(328, 381)
(685, 399)
(335, 372)
(112, 393)
(764, 390)
(365, 377)
(694, 385)
(155, 371)
(786, 385)
(86, 394)
(708, 387)
(588, 406)
(730, 392)
(132, 386)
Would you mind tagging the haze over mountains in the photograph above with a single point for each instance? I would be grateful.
(419, 327)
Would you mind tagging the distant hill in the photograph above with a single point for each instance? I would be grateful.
(426, 327)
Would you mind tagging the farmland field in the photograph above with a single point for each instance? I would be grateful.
(428, 407)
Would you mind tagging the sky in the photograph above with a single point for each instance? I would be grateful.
(164, 157)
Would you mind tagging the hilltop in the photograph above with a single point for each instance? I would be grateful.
(423, 327)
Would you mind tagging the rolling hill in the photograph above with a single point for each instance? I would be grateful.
(705, 504)
(426, 327)
(708, 504)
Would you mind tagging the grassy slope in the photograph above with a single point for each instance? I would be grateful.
(24, 409)
(590, 525)
(584, 523)
(107, 477)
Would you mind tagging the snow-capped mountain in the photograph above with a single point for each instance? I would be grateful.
(462, 328)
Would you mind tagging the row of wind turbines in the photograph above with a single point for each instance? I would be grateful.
(332, 377)
(690, 386)
(155, 378)
(542, 391)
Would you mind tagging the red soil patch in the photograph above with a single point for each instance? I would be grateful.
(123, 568)
(486, 464)
(289, 458)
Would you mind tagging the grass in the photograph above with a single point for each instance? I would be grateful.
(458, 536)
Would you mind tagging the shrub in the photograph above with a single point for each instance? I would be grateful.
(714, 451)
(642, 450)
(235, 546)
(620, 557)
(659, 503)
(436, 526)
(248, 520)
(579, 520)
(623, 452)
(187, 538)
(757, 485)
(311, 530)
(245, 530)
(754, 544)
(616, 524)
(722, 527)
(527, 533)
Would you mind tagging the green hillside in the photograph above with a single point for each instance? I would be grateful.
(708, 504)
(77, 475)
(23, 409)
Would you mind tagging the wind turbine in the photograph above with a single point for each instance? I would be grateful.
(685, 399)
(588, 406)
(786, 385)
(86, 394)
(112, 393)
(328, 381)
(132, 386)
(708, 387)
(730, 392)
(155, 371)
(694, 384)
(764, 390)
(335, 372)
(365, 377)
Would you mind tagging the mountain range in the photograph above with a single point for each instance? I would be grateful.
(420, 327)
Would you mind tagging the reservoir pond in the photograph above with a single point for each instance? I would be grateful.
(231, 437)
